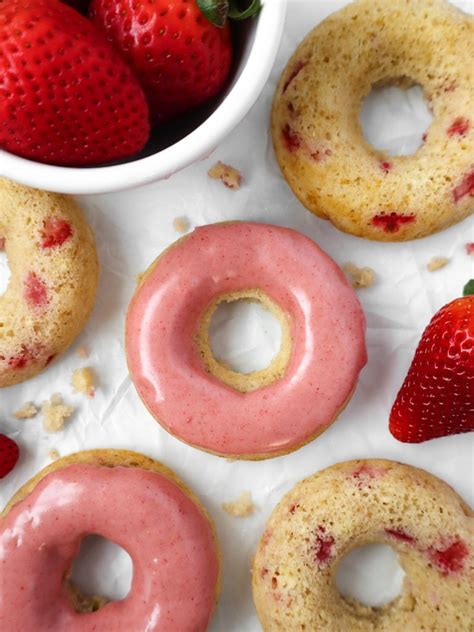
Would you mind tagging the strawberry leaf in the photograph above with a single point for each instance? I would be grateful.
(215, 11)
(469, 288)
(236, 13)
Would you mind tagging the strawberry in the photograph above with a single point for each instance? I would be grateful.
(181, 59)
(9, 453)
(437, 396)
(66, 96)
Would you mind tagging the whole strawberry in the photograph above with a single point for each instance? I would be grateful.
(9, 453)
(437, 396)
(181, 59)
(66, 96)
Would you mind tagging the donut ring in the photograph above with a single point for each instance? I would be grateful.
(318, 138)
(356, 503)
(54, 269)
(200, 400)
(134, 501)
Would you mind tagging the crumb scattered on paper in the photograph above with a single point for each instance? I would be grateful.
(55, 413)
(436, 263)
(359, 277)
(470, 249)
(27, 411)
(228, 175)
(53, 454)
(82, 352)
(181, 224)
(241, 507)
(83, 381)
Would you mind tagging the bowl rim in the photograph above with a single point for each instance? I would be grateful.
(197, 144)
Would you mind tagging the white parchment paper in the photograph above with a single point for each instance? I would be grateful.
(133, 227)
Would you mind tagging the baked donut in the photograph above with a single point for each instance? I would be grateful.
(130, 499)
(318, 139)
(54, 269)
(198, 398)
(356, 503)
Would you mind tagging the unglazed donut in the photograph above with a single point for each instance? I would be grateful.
(352, 504)
(318, 138)
(54, 269)
(199, 399)
(135, 502)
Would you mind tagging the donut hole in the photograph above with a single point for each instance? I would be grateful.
(244, 340)
(101, 572)
(244, 335)
(395, 118)
(370, 575)
(4, 269)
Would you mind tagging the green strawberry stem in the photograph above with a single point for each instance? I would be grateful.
(469, 288)
(217, 11)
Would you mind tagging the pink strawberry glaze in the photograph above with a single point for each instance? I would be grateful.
(175, 570)
(327, 327)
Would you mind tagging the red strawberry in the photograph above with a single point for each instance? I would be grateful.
(437, 396)
(180, 58)
(9, 453)
(66, 97)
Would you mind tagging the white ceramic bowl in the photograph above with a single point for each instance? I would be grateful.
(257, 44)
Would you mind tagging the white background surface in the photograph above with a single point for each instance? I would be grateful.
(133, 227)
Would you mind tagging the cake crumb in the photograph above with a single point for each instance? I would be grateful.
(83, 381)
(241, 507)
(84, 603)
(228, 175)
(436, 263)
(139, 277)
(470, 249)
(359, 277)
(27, 411)
(53, 454)
(55, 413)
(181, 224)
(82, 352)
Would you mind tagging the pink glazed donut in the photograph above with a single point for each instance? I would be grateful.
(131, 500)
(199, 399)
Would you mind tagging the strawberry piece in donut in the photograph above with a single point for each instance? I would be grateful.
(55, 232)
(366, 44)
(418, 515)
(52, 256)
